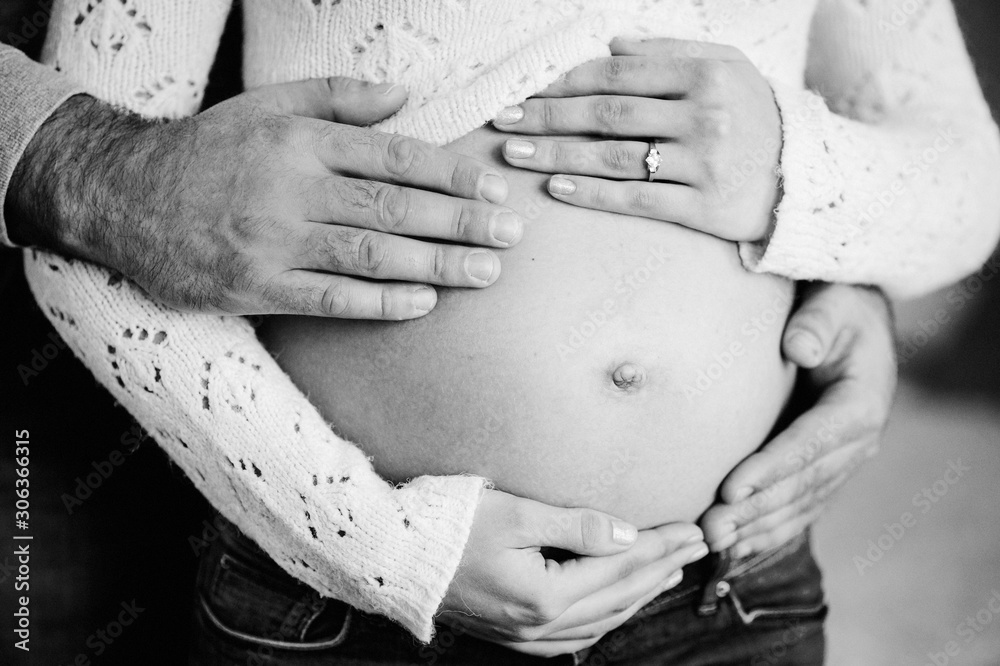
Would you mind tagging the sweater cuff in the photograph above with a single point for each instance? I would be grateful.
(32, 92)
(804, 243)
(447, 506)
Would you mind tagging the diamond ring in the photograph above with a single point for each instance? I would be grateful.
(653, 160)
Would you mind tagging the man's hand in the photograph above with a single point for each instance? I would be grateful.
(271, 202)
(508, 592)
(843, 335)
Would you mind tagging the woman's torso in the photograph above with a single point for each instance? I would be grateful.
(516, 382)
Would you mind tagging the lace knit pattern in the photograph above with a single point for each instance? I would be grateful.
(891, 83)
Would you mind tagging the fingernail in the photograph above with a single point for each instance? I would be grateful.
(623, 534)
(742, 494)
(695, 537)
(479, 265)
(804, 345)
(672, 580)
(386, 88)
(740, 551)
(424, 299)
(506, 228)
(509, 115)
(698, 553)
(494, 188)
(517, 149)
(560, 185)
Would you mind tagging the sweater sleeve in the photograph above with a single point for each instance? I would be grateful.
(31, 92)
(890, 158)
(207, 390)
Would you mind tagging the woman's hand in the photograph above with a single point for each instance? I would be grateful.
(507, 591)
(843, 336)
(709, 111)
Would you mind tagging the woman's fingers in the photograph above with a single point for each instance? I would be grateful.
(678, 48)
(620, 160)
(606, 609)
(577, 578)
(666, 78)
(410, 212)
(670, 202)
(605, 115)
(321, 295)
(382, 256)
(579, 531)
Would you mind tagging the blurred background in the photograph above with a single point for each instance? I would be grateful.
(916, 593)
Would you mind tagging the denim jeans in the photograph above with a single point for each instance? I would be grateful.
(762, 610)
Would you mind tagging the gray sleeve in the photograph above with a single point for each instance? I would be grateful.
(29, 93)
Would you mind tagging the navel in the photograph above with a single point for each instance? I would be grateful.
(628, 376)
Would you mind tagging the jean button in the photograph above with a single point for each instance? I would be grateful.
(721, 589)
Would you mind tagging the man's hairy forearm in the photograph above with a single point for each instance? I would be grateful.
(81, 181)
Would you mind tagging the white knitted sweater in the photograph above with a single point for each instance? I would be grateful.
(889, 178)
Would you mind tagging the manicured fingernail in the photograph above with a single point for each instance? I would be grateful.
(385, 88)
(623, 534)
(695, 537)
(509, 116)
(560, 185)
(698, 553)
(506, 228)
(479, 265)
(494, 188)
(517, 149)
(804, 345)
(424, 299)
(742, 494)
(674, 578)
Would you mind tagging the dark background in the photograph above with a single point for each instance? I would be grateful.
(130, 538)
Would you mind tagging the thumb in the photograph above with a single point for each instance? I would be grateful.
(813, 329)
(580, 531)
(337, 99)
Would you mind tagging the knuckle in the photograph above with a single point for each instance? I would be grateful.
(370, 253)
(549, 115)
(712, 75)
(392, 207)
(641, 199)
(465, 221)
(403, 156)
(542, 611)
(590, 529)
(335, 300)
(612, 112)
(616, 69)
(617, 157)
(438, 262)
(713, 123)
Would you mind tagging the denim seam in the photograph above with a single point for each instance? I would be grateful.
(257, 640)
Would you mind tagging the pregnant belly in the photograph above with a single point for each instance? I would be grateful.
(618, 363)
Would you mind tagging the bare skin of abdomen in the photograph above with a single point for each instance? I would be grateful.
(618, 363)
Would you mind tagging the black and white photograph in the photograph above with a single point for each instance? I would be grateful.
(500, 332)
